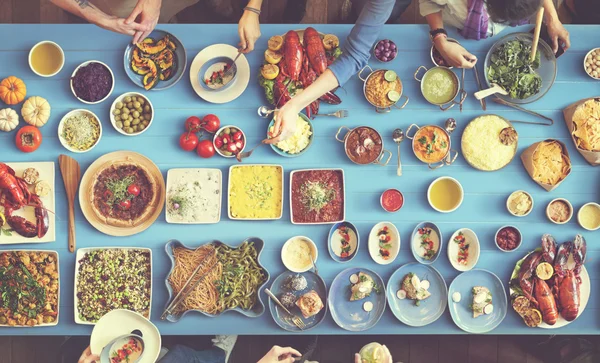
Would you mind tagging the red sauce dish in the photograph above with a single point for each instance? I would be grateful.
(392, 200)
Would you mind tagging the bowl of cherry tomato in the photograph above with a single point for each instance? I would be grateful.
(229, 141)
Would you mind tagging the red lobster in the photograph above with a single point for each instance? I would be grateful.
(567, 281)
(526, 274)
(546, 302)
(14, 192)
(315, 50)
(293, 55)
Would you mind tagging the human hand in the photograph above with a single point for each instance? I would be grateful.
(119, 25)
(249, 30)
(278, 354)
(557, 32)
(284, 126)
(387, 356)
(455, 54)
(145, 13)
(88, 357)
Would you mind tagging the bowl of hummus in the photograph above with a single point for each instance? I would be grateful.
(382, 88)
(559, 211)
(298, 143)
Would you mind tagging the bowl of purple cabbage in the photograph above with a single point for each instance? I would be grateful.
(385, 50)
(92, 82)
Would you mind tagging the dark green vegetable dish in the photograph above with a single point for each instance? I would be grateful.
(511, 68)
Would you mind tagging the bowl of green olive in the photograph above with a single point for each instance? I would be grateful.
(131, 113)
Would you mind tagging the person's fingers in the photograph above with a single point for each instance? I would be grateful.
(277, 125)
(92, 358)
(290, 350)
(243, 43)
(85, 353)
(387, 354)
(137, 37)
(250, 44)
(555, 44)
(357, 358)
(567, 41)
(134, 14)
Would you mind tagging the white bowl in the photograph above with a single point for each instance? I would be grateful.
(462, 194)
(62, 53)
(508, 199)
(570, 213)
(313, 248)
(518, 244)
(474, 250)
(83, 65)
(373, 243)
(579, 215)
(219, 131)
(584, 58)
(61, 125)
(120, 99)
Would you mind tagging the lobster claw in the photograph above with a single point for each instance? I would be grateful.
(562, 256)
(579, 251)
(548, 248)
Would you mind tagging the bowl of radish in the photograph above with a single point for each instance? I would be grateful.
(229, 141)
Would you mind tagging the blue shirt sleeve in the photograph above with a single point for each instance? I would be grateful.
(363, 36)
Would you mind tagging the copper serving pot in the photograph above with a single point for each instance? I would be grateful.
(378, 159)
(379, 108)
(448, 157)
(448, 105)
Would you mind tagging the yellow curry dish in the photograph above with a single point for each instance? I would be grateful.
(431, 144)
(378, 88)
(256, 192)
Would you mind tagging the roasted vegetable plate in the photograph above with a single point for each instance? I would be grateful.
(157, 62)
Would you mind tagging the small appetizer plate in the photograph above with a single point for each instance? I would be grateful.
(463, 241)
(343, 241)
(279, 287)
(351, 315)
(461, 312)
(426, 236)
(384, 243)
(428, 310)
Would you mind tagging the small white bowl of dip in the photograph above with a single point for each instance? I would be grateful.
(296, 253)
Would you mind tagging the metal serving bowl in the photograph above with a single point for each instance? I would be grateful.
(380, 108)
(448, 105)
(379, 160)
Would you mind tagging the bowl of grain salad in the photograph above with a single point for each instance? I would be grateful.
(80, 131)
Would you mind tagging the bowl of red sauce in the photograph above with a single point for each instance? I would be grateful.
(392, 200)
(508, 238)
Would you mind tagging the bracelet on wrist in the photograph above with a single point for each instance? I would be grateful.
(435, 32)
(252, 10)
(440, 35)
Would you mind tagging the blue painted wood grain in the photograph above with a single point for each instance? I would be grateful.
(483, 210)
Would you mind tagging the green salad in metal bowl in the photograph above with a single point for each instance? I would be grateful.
(508, 64)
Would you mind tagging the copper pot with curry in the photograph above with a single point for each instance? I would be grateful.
(440, 86)
(383, 89)
(363, 145)
(432, 144)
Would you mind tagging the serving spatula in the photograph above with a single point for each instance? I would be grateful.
(71, 174)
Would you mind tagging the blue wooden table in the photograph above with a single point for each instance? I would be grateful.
(483, 209)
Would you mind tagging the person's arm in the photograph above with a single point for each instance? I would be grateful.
(357, 52)
(148, 12)
(556, 30)
(249, 26)
(278, 354)
(84, 9)
(453, 53)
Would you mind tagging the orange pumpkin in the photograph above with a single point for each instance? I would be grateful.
(12, 90)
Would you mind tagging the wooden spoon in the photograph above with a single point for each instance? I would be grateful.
(536, 33)
(71, 174)
(490, 91)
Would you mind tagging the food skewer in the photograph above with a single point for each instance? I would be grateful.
(184, 292)
(71, 173)
(536, 34)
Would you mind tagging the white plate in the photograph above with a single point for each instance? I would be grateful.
(232, 92)
(373, 243)
(58, 298)
(188, 175)
(229, 193)
(474, 250)
(78, 256)
(46, 170)
(121, 322)
(343, 196)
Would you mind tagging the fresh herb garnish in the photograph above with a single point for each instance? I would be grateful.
(118, 189)
(316, 195)
(423, 140)
(512, 69)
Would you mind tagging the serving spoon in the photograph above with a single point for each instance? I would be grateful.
(398, 136)
(490, 91)
(264, 112)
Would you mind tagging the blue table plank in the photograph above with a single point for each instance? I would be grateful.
(483, 210)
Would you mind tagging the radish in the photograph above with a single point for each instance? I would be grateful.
(368, 306)
(401, 294)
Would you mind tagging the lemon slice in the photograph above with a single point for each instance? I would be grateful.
(269, 71)
(393, 96)
(544, 271)
(275, 43)
(330, 42)
(390, 76)
(533, 318)
(2, 219)
(272, 57)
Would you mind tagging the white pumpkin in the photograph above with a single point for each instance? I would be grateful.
(8, 119)
(36, 111)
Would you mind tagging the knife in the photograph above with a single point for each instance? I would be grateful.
(482, 101)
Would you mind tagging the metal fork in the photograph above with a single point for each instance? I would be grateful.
(230, 67)
(295, 319)
(338, 114)
(245, 154)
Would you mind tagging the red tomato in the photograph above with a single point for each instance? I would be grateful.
(125, 204)
(238, 136)
(211, 123)
(188, 141)
(218, 142)
(28, 139)
(205, 149)
(134, 190)
(193, 124)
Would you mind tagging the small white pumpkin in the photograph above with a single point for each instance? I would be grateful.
(36, 111)
(9, 119)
